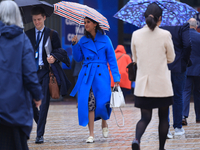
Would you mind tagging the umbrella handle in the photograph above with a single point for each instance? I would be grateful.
(76, 33)
(78, 29)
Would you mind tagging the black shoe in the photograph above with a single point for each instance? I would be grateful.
(184, 122)
(135, 145)
(197, 121)
(39, 140)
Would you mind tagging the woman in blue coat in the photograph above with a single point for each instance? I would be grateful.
(93, 85)
(18, 80)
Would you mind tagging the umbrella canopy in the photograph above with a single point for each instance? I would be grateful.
(77, 12)
(174, 13)
(25, 7)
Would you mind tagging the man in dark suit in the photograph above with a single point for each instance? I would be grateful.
(193, 75)
(38, 37)
(182, 46)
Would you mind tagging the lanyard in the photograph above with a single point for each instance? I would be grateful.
(36, 46)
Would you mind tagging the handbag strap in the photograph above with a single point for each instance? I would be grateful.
(51, 33)
(119, 90)
(116, 118)
(51, 69)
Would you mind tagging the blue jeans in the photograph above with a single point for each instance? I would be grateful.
(178, 82)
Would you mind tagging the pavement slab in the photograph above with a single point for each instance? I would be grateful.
(64, 133)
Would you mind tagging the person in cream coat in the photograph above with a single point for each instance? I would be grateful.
(152, 49)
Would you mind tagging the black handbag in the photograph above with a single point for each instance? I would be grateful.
(132, 70)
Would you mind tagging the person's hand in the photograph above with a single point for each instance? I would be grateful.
(116, 84)
(37, 103)
(51, 59)
(74, 40)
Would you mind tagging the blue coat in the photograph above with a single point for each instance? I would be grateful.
(194, 70)
(18, 78)
(182, 46)
(95, 74)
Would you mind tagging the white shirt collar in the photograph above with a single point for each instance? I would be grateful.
(36, 30)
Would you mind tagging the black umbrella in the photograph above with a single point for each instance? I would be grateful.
(25, 7)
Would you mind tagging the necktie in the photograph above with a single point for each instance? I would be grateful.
(37, 52)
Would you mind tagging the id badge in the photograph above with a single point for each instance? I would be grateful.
(36, 55)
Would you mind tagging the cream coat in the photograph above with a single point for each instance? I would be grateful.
(152, 50)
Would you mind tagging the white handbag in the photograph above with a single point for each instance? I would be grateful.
(117, 100)
(117, 97)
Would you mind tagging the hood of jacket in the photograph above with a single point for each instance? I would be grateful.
(120, 49)
(10, 31)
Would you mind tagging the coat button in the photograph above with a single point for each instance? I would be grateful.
(99, 74)
(87, 58)
(98, 66)
(85, 74)
(98, 57)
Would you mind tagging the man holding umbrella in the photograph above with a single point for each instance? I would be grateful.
(38, 37)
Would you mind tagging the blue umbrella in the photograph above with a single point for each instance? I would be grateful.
(174, 13)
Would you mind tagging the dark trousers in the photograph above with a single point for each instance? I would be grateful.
(40, 116)
(12, 138)
(178, 82)
(192, 84)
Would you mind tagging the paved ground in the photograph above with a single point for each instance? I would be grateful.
(64, 133)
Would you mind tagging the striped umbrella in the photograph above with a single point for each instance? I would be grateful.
(77, 12)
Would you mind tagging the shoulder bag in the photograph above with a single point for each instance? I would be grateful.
(132, 71)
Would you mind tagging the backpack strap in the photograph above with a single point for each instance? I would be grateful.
(120, 57)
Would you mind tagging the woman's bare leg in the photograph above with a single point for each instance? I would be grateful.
(104, 123)
(91, 123)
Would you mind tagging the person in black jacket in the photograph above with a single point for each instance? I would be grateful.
(38, 37)
(182, 46)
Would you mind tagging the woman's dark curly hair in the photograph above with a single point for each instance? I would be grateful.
(87, 34)
(152, 14)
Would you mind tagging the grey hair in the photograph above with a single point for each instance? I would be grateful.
(192, 22)
(10, 14)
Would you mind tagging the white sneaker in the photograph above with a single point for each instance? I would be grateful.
(179, 131)
(169, 135)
